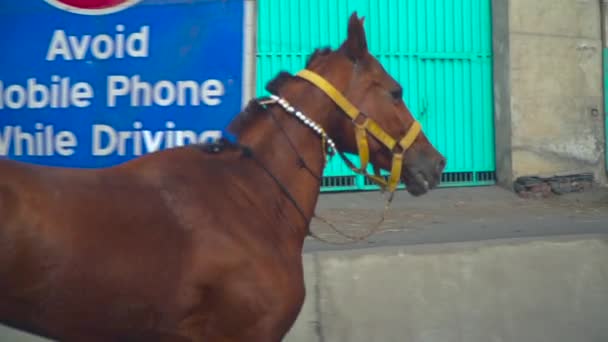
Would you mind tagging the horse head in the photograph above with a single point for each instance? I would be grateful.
(369, 116)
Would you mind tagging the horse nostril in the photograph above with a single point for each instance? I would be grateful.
(441, 164)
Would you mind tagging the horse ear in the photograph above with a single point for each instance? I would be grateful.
(355, 46)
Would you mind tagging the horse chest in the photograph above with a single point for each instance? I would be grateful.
(241, 299)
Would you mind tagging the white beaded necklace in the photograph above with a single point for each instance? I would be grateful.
(306, 120)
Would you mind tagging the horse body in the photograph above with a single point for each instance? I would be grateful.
(200, 242)
(167, 282)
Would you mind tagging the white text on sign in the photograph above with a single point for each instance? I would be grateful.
(102, 46)
(62, 92)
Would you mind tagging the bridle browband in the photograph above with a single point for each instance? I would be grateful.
(398, 147)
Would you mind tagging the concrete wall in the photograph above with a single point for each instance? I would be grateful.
(512, 290)
(548, 88)
(12, 335)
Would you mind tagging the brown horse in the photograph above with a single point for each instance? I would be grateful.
(201, 242)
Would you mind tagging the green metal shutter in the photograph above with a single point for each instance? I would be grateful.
(439, 50)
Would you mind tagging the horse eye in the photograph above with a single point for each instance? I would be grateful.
(397, 94)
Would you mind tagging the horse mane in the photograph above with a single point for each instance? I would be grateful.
(253, 107)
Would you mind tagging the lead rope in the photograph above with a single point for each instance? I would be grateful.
(353, 239)
(326, 144)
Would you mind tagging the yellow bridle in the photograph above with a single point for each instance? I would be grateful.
(361, 130)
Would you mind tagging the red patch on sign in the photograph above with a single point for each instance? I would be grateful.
(92, 7)
(93, 4)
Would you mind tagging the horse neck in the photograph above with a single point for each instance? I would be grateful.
(280, 144)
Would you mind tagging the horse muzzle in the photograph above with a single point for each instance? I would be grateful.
(422, 170)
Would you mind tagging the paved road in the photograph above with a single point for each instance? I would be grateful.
(459, 214)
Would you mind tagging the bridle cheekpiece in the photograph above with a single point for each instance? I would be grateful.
(398, 147)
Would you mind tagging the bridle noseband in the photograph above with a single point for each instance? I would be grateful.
(398, 147)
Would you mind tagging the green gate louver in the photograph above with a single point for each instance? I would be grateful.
(439, 50)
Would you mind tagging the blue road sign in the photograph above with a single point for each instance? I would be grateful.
(92, 83)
